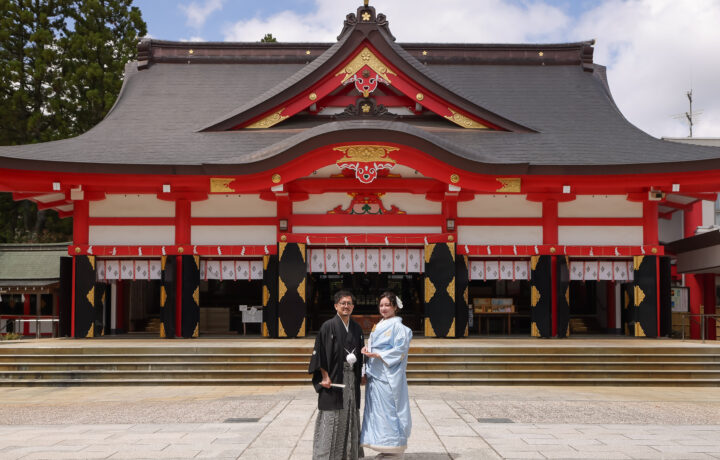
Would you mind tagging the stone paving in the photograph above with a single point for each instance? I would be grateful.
(480, 422)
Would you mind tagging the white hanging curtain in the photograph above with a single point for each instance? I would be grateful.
(601, 270)
(231, 269)
(499, 270)
(128, 269)
(365, 260)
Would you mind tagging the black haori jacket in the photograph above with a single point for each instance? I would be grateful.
(331, 347)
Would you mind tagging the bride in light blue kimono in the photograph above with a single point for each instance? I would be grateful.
(386, 422)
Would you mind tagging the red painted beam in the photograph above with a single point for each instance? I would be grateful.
(572, 251)
(500, 221)
(131, 221)
(158, 251)
(233, 221)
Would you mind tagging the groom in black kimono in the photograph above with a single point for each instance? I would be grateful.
(336, 366)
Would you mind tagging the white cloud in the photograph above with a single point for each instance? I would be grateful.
(655, 50)
(197, 13)
(192, 39)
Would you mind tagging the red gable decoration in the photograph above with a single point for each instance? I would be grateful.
(366, 160)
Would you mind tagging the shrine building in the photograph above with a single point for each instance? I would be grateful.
(478, 181)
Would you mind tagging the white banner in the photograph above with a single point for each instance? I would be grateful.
(230, 269)
(365, 260)
(601, 270)
(128, 269)
(499, 270)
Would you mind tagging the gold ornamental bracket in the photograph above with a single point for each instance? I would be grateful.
(221, 184)
(270, 120)
(463, 121)
(509, 184)
(366, 153)
(366, 58)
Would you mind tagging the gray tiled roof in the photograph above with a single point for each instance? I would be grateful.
(24, 264)
(160, 113)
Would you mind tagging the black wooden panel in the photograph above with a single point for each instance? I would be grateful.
(462, 280)
(190, 312)
(440, 290)
(168, 295)
(270, 296)
(84, 296)
(65, 297)
(292, 305)
(646, 297)
(629, 312)
(563, 296)
(541, 296)
(665, 300)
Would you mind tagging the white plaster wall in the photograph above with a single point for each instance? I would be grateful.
(671, 230)
(116, 235)
(355, 230)
(472, 234)
(499, 206)
(233, 234)
(320, 204)
(411, 203)
(708, 213)
(132, 206)
(600, 236)
(600, 206)
(234, 206)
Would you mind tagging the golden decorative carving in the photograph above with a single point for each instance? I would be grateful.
(221, 184)
(265, 332)
(639, 295)
(534, 331)
(162, 330)
(191, 51)
(366, 153)
(424, 53)
(463, 121)
(163, 261)
(197, 263)
(307, 52)
(270, 120)
(429, 289)
(163, 296)
(467, 330)
(281, 329)
(654, 250)
(366, 58)
(552, 250)
(282, 289)
(450, 238)
(465, 295)
(366, 16)
(312, 96)
(181, 250)
(91, 296)
(534, 296)
(77, 250)
(281, 249)
(639, 332)
(266, 296)
(196, 295)
(419, 96)
(196, 332)
(451, 331)
(301, 248)
(454, 178)
(627, 300)
(541, 54)
(276, 178)
(266, 261)
(567, 295)
(637, 261)
(429, 248)
(451, 289)
(283, 238)
(91, 259)
(451, 247)
(429, 331)
(365, 108)
(91, 331)
(509, 184)
(301, 290)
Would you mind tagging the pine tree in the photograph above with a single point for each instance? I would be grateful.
(268, 38)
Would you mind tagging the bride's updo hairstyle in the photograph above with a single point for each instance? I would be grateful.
(393, 300)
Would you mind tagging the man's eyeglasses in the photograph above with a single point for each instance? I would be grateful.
(345, 304)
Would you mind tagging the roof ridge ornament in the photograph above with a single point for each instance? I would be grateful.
(366, 15)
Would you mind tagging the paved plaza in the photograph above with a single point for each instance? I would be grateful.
(459, 422)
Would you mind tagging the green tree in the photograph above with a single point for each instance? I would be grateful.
(268, 38)
(61, 68)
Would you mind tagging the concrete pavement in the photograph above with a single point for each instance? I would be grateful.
(482, 422)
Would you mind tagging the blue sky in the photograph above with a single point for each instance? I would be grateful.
(655, 50)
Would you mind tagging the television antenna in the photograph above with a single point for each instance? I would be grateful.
(690, 116)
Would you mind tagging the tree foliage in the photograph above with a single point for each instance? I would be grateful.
(268, 38)
(61, 69)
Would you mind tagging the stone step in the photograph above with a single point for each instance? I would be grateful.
(295, 365)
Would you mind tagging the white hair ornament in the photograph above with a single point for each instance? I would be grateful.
(399, 302)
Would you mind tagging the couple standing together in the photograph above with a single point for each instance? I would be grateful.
(341, 362)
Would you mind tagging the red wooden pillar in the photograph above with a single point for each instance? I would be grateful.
(81, 231)
(182, 221)
(709, 301)
(550, 221)
(692, 219)
(650, 223)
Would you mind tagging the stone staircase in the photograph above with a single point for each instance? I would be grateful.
(530, 362)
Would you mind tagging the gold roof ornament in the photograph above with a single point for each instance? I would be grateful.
(366, 58)
(366, 153)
